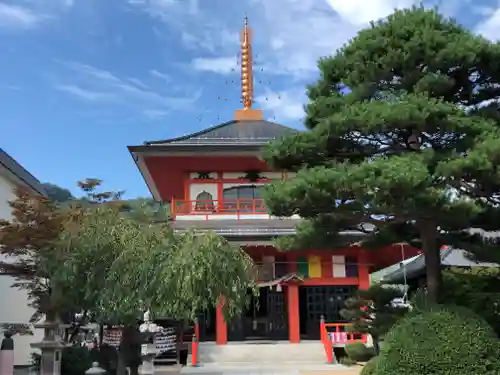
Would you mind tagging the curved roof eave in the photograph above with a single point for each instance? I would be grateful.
(17, 170)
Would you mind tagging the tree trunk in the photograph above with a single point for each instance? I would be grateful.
(129, 353)
(376, 344)
(432, 252)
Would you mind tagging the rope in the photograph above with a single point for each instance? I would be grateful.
(405, 295)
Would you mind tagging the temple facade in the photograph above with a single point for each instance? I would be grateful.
(212, 180)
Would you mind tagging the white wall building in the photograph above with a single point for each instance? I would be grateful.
(14, 307)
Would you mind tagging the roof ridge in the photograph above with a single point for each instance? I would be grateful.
(195, 134)
(200, 133)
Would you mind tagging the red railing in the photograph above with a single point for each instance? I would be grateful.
(333, 334)
(195, 345)
(226, 206)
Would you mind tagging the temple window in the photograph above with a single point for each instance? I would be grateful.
(241, 198)
(204, 202)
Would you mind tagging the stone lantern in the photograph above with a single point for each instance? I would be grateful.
(51, 346)
(149, 351)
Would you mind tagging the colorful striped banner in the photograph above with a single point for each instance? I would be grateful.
(303, 267)
(338, 266)
(314, 266)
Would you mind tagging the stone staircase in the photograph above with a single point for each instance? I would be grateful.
(263, 358)
(263, 352)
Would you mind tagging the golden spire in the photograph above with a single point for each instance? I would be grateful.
(246, 66)
(247, 76)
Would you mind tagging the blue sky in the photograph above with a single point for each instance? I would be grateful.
(82, 79)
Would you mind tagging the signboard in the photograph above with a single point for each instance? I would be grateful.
(166, 340)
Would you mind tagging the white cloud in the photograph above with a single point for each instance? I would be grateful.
(18, 17)
(490, 26)
(360, 12)
(222, 65)
(285, 105)
(98, 85)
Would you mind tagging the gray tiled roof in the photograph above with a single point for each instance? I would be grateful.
(257, 132)
(250, 228)
(8, 162)
(449, 258)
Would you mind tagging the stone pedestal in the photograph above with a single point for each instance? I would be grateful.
(6, 362)
(50, 347)
(148, 354)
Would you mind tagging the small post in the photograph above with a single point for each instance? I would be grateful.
(7, 355)
(322, 329)
(197, 329)
(194, 352)
(95, 370)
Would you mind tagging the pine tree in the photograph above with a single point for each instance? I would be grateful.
(373, 311)
(397, 138)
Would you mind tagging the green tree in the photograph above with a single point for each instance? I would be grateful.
(476, 289)
(396, 140)
(131, 264)
(374, 311)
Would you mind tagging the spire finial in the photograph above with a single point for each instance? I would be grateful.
(246, 66)
(247, 113)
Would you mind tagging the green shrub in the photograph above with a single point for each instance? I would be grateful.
(75, 360)
(440, 340)
(369, 367)
(346, 361)
(359, 352)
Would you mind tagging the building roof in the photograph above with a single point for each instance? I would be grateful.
(16, 169)
(449, 258)
(251, 230)
(258, 132)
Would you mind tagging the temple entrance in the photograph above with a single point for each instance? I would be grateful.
(206, 323)
(315, 301)
(264, 319)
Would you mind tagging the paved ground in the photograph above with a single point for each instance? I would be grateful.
(276, 370)
(272, 370)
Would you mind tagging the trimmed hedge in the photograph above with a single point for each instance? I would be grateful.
(440, 340)
(359, 352)
(369, 367)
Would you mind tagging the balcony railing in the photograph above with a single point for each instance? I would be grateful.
(219, 207)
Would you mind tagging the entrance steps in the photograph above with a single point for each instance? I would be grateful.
(262, 352)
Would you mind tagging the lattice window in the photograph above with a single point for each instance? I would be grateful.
(204, 202)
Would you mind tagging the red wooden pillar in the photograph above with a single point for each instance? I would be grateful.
(293, 313)
(363, 270)
(293, 303)
(220, 325)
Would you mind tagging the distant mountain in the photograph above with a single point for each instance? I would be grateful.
(62, 195)
(57, 193)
